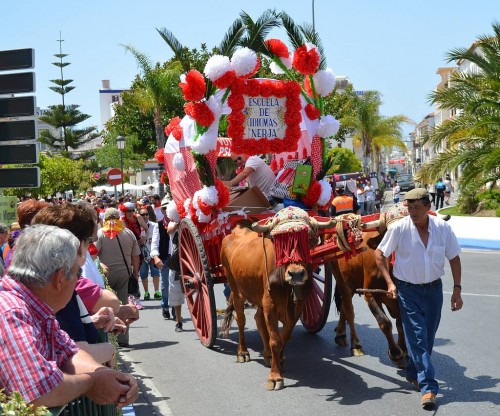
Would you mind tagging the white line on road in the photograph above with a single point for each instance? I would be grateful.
(161, 405)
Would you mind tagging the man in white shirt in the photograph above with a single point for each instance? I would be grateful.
(255, 171)
(370, 198)
(421, 243)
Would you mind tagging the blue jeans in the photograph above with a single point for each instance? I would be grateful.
(420, 307)
(164, 284)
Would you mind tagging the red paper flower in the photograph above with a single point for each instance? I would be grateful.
(205, 208)
(189, 109)
(194, 87)
(236, 102)
(273, 165)
(174, 128)
(225, 80)
(160, 155)
(313, 194)
(312, 112)
(277, 47)
(181, 210)
(202, 114)
(223, 193)
(306, 60)
(164, 178)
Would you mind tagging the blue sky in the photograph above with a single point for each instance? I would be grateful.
(393, 46)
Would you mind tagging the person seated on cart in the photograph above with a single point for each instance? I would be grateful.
(343, 204)
(255, 171)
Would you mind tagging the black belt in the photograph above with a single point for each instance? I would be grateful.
(433, 283)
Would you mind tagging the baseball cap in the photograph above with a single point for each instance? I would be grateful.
(129, 206)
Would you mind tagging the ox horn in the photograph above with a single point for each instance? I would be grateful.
(323, 224)
(372, 225)
(261, 228)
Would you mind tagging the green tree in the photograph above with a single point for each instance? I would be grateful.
(342, 105)
(108, 155)
(374, 131)
(471, 139)
(64, 118)
(344, 161)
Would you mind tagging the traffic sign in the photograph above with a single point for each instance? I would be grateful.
(19, 153)
(17, 106)
(17, 83)
(20, 177)
(17, 130)
(17, 59)
(114, 176)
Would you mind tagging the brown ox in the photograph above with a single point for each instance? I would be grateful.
(361, 272)
(278, 292)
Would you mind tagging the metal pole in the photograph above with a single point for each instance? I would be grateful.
(314, 29)
(121, 167)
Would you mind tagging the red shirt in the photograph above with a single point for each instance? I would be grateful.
(33, 346)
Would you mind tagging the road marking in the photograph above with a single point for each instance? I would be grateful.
(476, 294)
(161, 406)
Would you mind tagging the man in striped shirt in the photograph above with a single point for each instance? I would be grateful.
(39, 360)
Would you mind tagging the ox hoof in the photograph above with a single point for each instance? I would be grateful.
(398, 360)
(275, 384)
(341, 340)
(357, 351)
(243, 358)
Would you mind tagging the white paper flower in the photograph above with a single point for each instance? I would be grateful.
(209, 195)
(172, 212)
(324, 82)
(214, 103)
(326, 192)
(178, 162)
(202, 144)
(276, 69)
(244, 61)
(328, 126)
(202, 217)
(186, 204)
(217, 66)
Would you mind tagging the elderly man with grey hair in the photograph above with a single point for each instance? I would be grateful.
(39, 360)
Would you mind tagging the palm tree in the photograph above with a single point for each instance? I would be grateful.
(157, 91)
(376, 133)
(472, 138)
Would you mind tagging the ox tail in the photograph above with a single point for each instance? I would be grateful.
(228, 319)
(337, 296)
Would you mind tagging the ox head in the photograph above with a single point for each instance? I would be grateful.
(291, 230)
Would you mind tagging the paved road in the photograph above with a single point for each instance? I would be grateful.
(178, 376)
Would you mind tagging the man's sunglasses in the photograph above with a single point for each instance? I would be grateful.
(238, 159)
(145, 215)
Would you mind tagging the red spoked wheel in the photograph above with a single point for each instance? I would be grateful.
(197, 283)
(317, 304)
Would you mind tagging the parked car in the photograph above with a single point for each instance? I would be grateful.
(406, 182)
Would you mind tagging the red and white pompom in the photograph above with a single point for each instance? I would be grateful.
(187, 207)
(245, 62)
(209, 195)
(216, 67)
(178, 162)
(324, 82)
(328, 126)
(326, 192)
(172, 212)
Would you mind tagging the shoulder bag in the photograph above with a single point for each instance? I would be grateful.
(133, 283)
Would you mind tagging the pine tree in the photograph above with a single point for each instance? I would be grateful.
(65, 118)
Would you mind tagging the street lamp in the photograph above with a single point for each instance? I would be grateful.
(120, 142)
(314, 29)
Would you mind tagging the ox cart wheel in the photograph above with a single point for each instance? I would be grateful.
(317, 304)
(197, 283)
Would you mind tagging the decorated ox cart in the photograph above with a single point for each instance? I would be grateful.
(282, 117)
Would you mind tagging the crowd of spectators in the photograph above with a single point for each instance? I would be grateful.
(64, 271)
